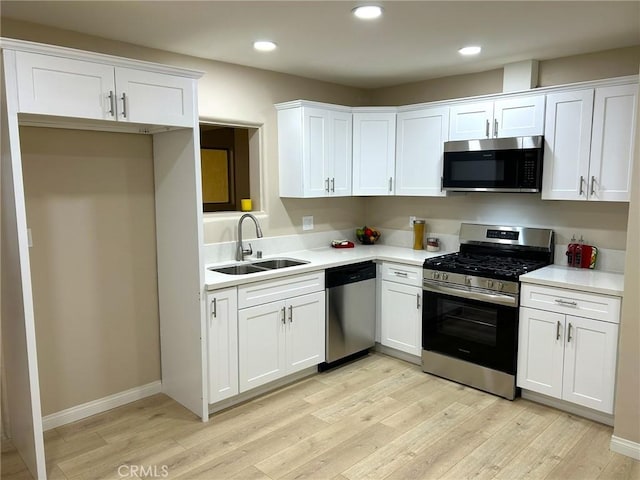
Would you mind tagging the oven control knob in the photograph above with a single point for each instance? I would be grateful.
(467, 280)
(490, 283)
(444, 276)
(436, 275)
(499, 286)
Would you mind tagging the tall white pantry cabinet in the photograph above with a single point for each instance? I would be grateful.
(51, 86)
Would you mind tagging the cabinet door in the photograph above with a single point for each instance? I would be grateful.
(402, 317)
(154, 98)
(471, 121)
(261, 344)
(614, 117)
(340, 153)
(315, 152)
(541, 351)
(590, 363)
(305, 331)
(419, 152)
(518, 117)
(64, 87)
(222, 344)
(374, 148)
(567, 143)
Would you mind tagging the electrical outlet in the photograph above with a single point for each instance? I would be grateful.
(412, 219)
(307, 222)
(29, 238)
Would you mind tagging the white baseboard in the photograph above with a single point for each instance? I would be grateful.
(625, 447)
(101, 405)
(579, 410)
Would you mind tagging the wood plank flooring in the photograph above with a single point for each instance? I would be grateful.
(377, 418)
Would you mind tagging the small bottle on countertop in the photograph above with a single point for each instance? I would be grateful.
(418, 234)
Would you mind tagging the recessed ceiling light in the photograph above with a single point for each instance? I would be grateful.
(264, 45)
(470, 50)
(367, 12)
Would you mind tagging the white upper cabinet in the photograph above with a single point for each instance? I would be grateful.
(314, 145)
(509, 117)
(67, 87)
(567, 144)
(611, 161)
(156, 98)
(589, 144)
(419, 151)
(374, 146)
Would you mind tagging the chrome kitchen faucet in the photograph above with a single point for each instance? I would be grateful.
(240, 250)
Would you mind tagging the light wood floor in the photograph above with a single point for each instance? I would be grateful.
(376, 418)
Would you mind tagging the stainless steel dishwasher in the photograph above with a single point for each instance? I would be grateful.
(351, 309)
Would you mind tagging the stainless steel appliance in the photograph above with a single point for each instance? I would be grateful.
(493, 165)
(470, 306)
(351, 309)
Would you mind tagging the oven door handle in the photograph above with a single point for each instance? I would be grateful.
(496, 298)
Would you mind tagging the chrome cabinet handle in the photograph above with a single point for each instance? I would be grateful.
(214, 308)
(290, 313)
(417, 300)
(487, 133)
(569, 333)
(581, 183)
(593, 181)
(558, 330)
(326, 184)
(284, 319)
(124, 105)
(566, 302)
(333, 185)
(391, 184)
(401, 274)
(495, 127)
(112, 103)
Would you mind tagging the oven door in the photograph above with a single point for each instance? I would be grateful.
(480, 332)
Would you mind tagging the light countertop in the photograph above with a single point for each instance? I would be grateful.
(320, 259)
(584, 279)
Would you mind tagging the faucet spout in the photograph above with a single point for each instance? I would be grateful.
(240, 250)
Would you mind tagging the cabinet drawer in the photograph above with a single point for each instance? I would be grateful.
(406, 274)
(274, 290)
(571, 302)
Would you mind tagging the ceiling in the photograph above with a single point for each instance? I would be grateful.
(413, 40)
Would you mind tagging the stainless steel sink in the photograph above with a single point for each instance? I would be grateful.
(276, 263)
(242, 269)
(258, 266)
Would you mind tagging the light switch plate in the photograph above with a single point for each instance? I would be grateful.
(307, 222)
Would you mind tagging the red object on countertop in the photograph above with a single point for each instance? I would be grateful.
(342, 244)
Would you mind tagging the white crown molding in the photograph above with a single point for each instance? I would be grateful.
(33, 47)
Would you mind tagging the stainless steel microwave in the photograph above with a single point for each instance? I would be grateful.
(493, 165)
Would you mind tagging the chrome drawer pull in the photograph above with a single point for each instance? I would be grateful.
(290, 313)
(417, 300)
(566, 302)
(558, 331)
(214, 308)
(112, 105)
(284, 315)
(401, 274)
(569, 334)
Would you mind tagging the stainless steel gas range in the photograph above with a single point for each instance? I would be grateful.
(470, 309)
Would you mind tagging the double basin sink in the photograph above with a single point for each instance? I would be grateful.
(258, 266)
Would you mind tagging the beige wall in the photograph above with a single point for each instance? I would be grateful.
(90, 208)
(627, 408)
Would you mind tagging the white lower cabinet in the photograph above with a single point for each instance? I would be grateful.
(222, 342)
(281, 337)
(564, 355)
(401, 316)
